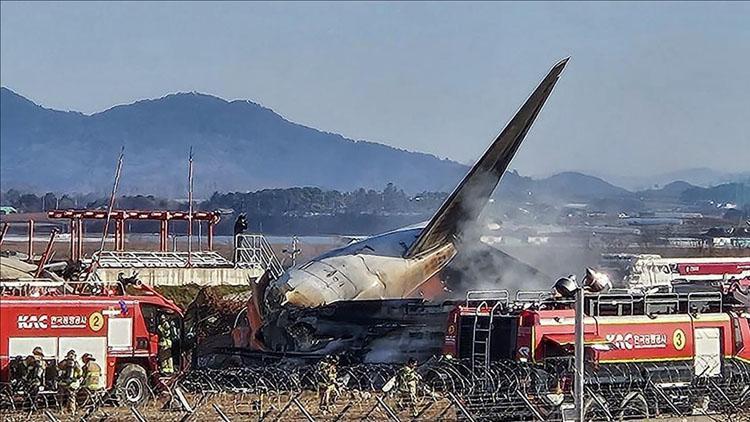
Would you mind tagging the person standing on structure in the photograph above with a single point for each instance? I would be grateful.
(70, 380)
(240, 225)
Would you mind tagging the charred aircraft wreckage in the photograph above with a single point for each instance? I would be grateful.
(383, 297)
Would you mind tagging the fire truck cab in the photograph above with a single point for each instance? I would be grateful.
(118, 325)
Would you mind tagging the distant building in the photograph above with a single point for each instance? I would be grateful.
(728, 237)
(674, 214)
(653, 221)
(685, 242)
(538, 240)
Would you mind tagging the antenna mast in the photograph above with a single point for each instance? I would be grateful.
(190, 207)
(111, 206)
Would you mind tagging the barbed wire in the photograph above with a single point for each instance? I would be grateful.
(503, 391)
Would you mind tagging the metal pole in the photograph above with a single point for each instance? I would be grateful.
(72, 230)
(31, 240)
(223, 416)
(109, 211)
(46, 254)
(460, 407)
(122, 230)
(303, 410)
(190, 206)
(117, 234)
(200, 236)
(4, 232)
(211, 235)
(579, 364)
(163, 234)
(79, 235)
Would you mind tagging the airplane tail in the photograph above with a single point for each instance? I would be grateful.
(472, 194)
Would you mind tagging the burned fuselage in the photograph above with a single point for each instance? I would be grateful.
(393, 265)
(390, 330)
(373, 268)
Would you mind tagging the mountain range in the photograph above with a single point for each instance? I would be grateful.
(239, 146)
(701, 176)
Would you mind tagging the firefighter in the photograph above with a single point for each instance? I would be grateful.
(92, 373)
(17, 373)
(70, 380)
(327, 387)
(407, 380)
(166, 367)
(35, 369)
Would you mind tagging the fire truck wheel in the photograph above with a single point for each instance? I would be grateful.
(132, 385)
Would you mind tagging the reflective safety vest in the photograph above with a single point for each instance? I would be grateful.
(92, 374)
(407, 377)
(328, 373)
(35, 371)
(165, 334)
(71, 373)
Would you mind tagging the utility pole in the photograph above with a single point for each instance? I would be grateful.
(95, 263)
(190, 207)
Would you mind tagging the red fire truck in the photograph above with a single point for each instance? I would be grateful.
(114, 322)
(642, 351)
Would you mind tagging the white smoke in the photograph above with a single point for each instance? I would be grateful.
(481, 265)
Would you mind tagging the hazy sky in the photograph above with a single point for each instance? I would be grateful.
(650, 88)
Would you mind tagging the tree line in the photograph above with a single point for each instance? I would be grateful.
(294, 202)
(304, 211)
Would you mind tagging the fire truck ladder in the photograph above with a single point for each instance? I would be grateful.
(481, 338)
(482, 330)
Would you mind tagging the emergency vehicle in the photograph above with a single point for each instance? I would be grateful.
(644, 351)
(115, 322)
(648, 270)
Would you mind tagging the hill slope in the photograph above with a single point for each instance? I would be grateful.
(239, 145)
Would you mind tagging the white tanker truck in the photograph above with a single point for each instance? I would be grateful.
(647, 271)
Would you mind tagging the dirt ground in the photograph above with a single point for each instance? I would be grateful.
(283, 407)
(240, 407)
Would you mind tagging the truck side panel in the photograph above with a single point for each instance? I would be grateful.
(98, 327)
